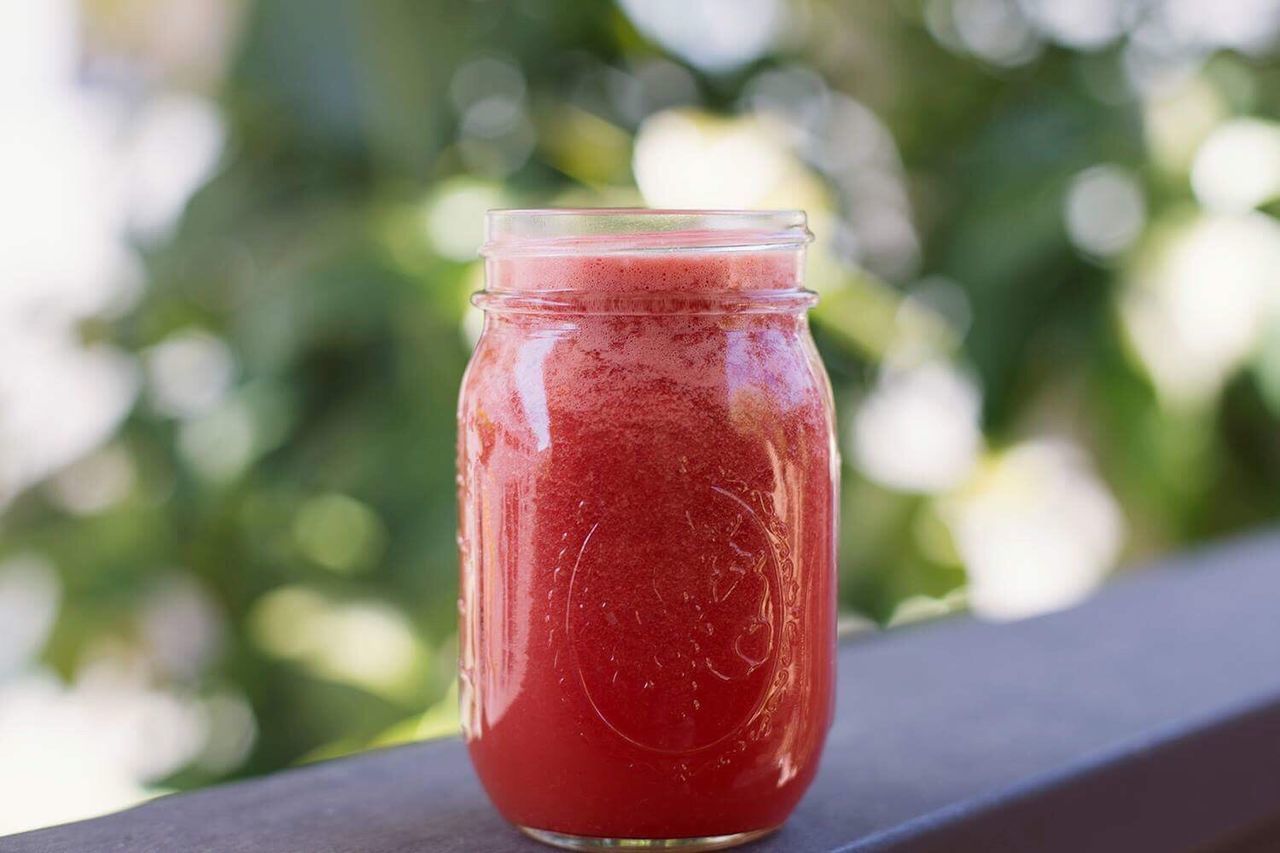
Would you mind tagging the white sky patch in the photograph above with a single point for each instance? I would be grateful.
(717, 35)
(1037, 531)
(454, 217)
(175, 146)
(95, 483)
(29, 596)
(180, 626)
(85, 170)
(188, 373)
(1197, 310)
(690, 159)
(71, 752)
(918, 430)
(219, 445)
(81, 177)
(1081, 24)
(995, 30)
(1238, 166)
(58, 401)
(1105, 210)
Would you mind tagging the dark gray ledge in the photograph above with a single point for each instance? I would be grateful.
(1147, 719)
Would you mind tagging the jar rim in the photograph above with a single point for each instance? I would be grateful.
(513, 232)
(576, 303)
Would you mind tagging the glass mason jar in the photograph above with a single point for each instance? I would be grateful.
(647, 491)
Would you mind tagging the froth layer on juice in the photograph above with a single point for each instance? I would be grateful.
(641, 272)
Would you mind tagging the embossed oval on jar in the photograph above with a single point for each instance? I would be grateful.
(675, 620)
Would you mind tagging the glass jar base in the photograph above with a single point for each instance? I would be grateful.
(685, 845)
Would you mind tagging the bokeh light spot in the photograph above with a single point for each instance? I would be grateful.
(1104, 210)
(1238, 166)
(339, 533)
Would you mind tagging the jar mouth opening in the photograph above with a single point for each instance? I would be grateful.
(640, 231)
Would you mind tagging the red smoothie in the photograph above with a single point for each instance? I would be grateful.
(647, 507)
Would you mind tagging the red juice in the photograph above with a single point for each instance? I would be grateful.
(647, 510)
